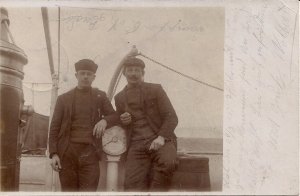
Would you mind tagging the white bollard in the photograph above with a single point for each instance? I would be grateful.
(112, 173)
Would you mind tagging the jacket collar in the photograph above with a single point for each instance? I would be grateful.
(70, 99)
(143, 86)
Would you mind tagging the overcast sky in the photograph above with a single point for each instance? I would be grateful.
(189, 40)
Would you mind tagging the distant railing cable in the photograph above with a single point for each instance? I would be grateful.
(181, 74)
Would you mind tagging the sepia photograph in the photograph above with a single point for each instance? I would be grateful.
(112, 98)
(115, 97)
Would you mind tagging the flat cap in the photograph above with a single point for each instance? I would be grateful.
(86, 64)
(133, 61)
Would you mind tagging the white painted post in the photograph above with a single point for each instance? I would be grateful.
(112, 172)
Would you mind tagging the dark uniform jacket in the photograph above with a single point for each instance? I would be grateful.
(60, 127)
(160, 113)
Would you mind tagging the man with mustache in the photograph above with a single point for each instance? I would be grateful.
(79, 118)
(149, 119)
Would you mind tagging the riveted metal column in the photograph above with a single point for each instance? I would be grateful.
(12, 60)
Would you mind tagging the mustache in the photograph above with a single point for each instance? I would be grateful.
(133, 77)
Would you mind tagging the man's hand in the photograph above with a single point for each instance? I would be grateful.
(125, 118)
(99, 128)
(55, 163)
(157, 143)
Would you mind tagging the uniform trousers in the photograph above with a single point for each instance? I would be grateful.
(149, 170)
(80, 168)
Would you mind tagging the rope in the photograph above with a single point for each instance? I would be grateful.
(181, 74)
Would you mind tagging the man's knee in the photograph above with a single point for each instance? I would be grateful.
(167, 159)
(89, 176)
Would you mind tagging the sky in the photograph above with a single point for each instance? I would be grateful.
(189, 40)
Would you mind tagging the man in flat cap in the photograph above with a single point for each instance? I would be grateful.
(80, 116)
(149, 119)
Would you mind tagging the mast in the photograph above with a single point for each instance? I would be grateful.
(53, 177)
